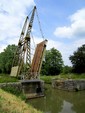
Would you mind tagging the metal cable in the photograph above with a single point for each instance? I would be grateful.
(39, 24)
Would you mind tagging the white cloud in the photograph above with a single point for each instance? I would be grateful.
(63, 32)
(55, 44)
(79, 43)
(75, 29)
(12, 16)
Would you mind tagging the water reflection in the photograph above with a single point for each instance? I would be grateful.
(57, 101)
(67, 108)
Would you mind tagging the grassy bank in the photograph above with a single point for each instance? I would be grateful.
(48, 79)
(72, 76)
(5, 78)
(11, 104)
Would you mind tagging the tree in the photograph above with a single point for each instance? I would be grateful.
(78, 60)
(53, 63)
(6, 58)
(67, 69)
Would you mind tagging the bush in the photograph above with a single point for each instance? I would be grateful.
(5, 78)
(67, 69)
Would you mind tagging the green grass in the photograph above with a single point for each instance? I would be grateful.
(48, 79)
(5, 78)
(72, 76)
(11, 104)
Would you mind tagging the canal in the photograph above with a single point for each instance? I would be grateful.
(58, 101)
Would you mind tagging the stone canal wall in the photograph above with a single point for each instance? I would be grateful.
(15, 85)
(30, 88)
(69, 85)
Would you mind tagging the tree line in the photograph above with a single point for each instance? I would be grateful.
(52, 63)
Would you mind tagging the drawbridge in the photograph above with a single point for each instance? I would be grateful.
(22, 66)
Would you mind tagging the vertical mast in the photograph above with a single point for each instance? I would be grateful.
(19, 54)
(27, 39)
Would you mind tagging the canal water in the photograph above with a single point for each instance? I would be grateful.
(58, 101)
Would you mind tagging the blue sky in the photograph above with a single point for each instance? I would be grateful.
(62, 21)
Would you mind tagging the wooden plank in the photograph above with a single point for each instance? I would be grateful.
(37, 59)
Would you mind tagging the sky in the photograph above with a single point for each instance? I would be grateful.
(62, 23)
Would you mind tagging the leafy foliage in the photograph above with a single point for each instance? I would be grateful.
(78, 60)
(5, 78)
(53, 63)
(6, 59)
(67, 69)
